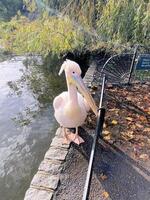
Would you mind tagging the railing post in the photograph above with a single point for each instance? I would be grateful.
(98, 132)
(132, 63)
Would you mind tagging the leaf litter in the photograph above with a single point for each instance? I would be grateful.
(127, 120)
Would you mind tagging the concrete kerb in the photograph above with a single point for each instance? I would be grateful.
(46, 180)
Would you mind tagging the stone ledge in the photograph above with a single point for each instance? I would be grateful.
(56, 154)
(46, 181)
(36, 194)
(58, 142)
(51, 167)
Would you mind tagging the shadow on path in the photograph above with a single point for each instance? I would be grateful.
(126, 179)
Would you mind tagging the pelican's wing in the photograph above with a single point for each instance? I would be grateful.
(59, 100)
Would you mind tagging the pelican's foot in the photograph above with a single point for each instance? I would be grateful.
(66, 141)
(78, 140)
(75, 138)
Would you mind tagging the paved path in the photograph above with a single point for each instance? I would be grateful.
(126, 180)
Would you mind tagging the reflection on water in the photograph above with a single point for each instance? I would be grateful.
(27, 124)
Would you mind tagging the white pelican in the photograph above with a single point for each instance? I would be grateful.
(71, 107)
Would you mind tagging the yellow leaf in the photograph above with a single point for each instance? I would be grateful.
(144, 156)
(107, 137)
(114, 122)
(105, 132)
(127, 135)
(129, 119)
(114, 109)
(130, 134)
(105, 194)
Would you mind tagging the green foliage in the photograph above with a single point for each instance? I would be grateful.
(124, 21)
(42, 36)
(69, 25)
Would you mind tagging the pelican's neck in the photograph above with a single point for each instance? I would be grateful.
(72, 91)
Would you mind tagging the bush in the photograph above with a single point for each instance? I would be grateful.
(80, 25)
(41, 36)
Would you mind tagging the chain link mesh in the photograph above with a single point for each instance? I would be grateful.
(117, 68)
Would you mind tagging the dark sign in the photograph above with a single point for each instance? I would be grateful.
(143, 62)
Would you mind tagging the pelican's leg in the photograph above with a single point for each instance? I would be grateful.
(66, 139)
(78, 140)
(75, 137)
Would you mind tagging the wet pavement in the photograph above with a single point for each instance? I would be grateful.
(116, 176)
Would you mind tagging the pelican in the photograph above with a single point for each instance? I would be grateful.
(71, 107)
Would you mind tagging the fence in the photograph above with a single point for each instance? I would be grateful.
(118, 69)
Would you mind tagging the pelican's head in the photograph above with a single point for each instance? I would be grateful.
(73, 75)
(70, 67)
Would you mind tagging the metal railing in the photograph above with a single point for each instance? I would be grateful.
(132, 64)
(98, 132)
(101, 116)
(121, 68)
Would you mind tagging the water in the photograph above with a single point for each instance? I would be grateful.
(27, 125)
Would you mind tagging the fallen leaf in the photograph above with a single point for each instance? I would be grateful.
(148, 141)
(108, 137)
(129, 119)
(104, 125)
(146, 110)
(129, 98)
(130, 134)
(145, 98)
(114, 122)
(105, 132)
(142, 118)
(144, 157)
(146, 130)
(103, 176)
(133, 127)
(105, 194)
(114, 110)
(127, 135)
(94, 87)
(141, 144)
(139, 125)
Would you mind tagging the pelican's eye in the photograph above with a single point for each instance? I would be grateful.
(73, 72)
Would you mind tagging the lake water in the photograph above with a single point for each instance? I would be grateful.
(27, 124)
